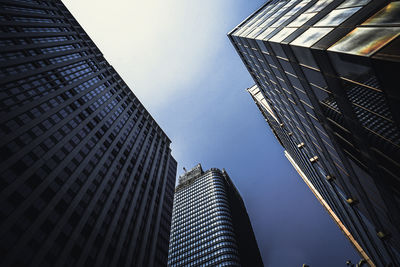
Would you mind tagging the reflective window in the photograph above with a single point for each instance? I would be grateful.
(336, 17)
(351, 3)
(265, 33)
(311, 36)
(298, 7)
(319, 5)
(365, 41)
(388, 15)
(280, 36)
(300, 20)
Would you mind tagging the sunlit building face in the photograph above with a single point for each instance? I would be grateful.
(326, 75)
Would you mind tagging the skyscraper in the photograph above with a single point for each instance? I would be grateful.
(87, 175)
(325, 74)
(210, 225)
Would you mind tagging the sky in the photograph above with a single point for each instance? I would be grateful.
(177, 59)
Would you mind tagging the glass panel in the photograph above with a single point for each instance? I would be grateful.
(262, 46)
(251, 21)
(304, 56)
(319, 6)
(365, 41)
(280, 36)
(356, 70)
(300, 20)
(311, 36)
(281, 10)
(336, 17)
(254, 33)
(386, 16)
(351, 3)
(246, 32)
(315, 78)
(280, 21)
(265, 33)
(298, 7)
(270, 12)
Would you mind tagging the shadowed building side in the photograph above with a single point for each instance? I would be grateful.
(86, 174)
(247, 243)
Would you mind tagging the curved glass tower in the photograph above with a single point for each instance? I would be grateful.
(206, 229)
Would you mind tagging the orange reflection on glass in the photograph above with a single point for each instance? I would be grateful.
(365, 41)
(375, 45)
(388, 15)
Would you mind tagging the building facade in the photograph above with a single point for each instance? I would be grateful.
(87, 177)
(210, 225)
(325, 81)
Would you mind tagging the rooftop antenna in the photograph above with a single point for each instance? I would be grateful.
(184, 169)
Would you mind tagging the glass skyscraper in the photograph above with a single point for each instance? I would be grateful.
(210, 225)
(326, 81)
(87, 177)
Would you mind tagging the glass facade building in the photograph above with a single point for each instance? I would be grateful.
(325, 81)
(210, 225)
(87, 177)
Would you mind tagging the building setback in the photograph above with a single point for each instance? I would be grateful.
(87, 176)
(326, 82)
(210, 225)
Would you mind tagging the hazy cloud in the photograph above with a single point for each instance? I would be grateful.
(157, 46)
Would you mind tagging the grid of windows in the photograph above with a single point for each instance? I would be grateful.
(203, 230)
(87, 175)
(325, 84)
(195, 237)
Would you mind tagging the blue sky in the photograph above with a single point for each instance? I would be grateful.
(176, 57)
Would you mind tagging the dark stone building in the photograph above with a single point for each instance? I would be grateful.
(87, 177)
(210, 225)
(326, 82)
